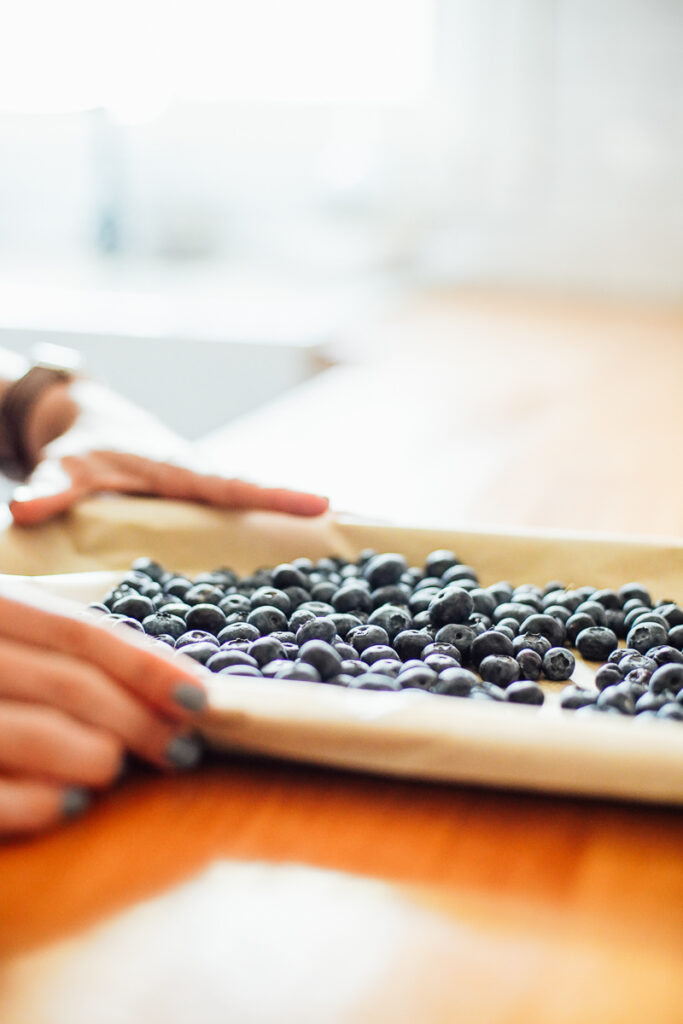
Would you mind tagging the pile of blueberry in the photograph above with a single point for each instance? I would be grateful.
(380, 624)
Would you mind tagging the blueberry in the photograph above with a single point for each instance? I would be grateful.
(238, 631)
(483, 601)
(97, 606)
(576, 623)
(322, 657)
(366, 636)
(420, 601)
(595, 610)
(672, 613)
(353, 667)
(451, 605)
(386, 667)
(417, 678)
(174, 606)
(207, 617)
(637, 661)
(671, 710)
(239, 670)
(131, 623)
(236, 645)
(269, 597)
(200, 652)
(637, 681)
(651, 702)
(609, 599)
(391, 618)
(196, 636)
(619, 653)
(410, 643)
(676, 637)
(373, 681)
(461, 574)
(204, 593)
(455, 682)
(285, 636)
(608, 675)
(160, 623)
(343, 649)
(513, 610)
(667, 677)
(531, 642)
(296, 596)
(635, 613)
(372, 654)
(458, 635)
(344, 622)
(490, 642)
(441, 648)
(133, 606)
(286, 575)
(321, 628)
(665, 655)
(530, 664)
(615, 697)
(440, 561)
(635, 590)
(547, 626)
(149, 568)
(324, 591)
(235, 603)
(596, 643)
(267, 619)
(317, 607)
(266, 649)
(423, 621)
(558, 664)
(440, 662)
(500, 669)
(616, 621)
(507, 631)
(645, 635)
(573, 697)
(271, 670)
(225, 659)
(524, 692)
(383, 570)
(651, 617)
(165, 638)
(300, 670)
(488, 691)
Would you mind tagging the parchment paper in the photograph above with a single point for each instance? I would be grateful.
(411, 734)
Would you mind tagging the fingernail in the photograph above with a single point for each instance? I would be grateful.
(75, 801)
(190, 696)
(184, 751)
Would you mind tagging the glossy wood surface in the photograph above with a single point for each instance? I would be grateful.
(254, 891)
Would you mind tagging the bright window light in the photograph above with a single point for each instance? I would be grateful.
(135, 56)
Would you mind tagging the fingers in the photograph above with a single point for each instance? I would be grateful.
(45, 744)
(240, 494)
(161, 679)
(29, 806)
(50, 491)
(87, 694)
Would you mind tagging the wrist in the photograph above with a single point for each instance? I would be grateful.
(34, 410)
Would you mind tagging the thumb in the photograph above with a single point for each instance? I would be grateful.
(49, 491)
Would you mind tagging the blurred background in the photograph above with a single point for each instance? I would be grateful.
(235, 185)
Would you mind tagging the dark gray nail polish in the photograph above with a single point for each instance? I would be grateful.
(190, 696)
(75, 801)
(184, 751)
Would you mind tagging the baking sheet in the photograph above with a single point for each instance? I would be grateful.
(412, 734)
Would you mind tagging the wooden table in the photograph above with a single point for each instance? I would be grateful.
(259, 892)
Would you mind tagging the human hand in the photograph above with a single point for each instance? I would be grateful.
(146, 459)
(75, 695)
